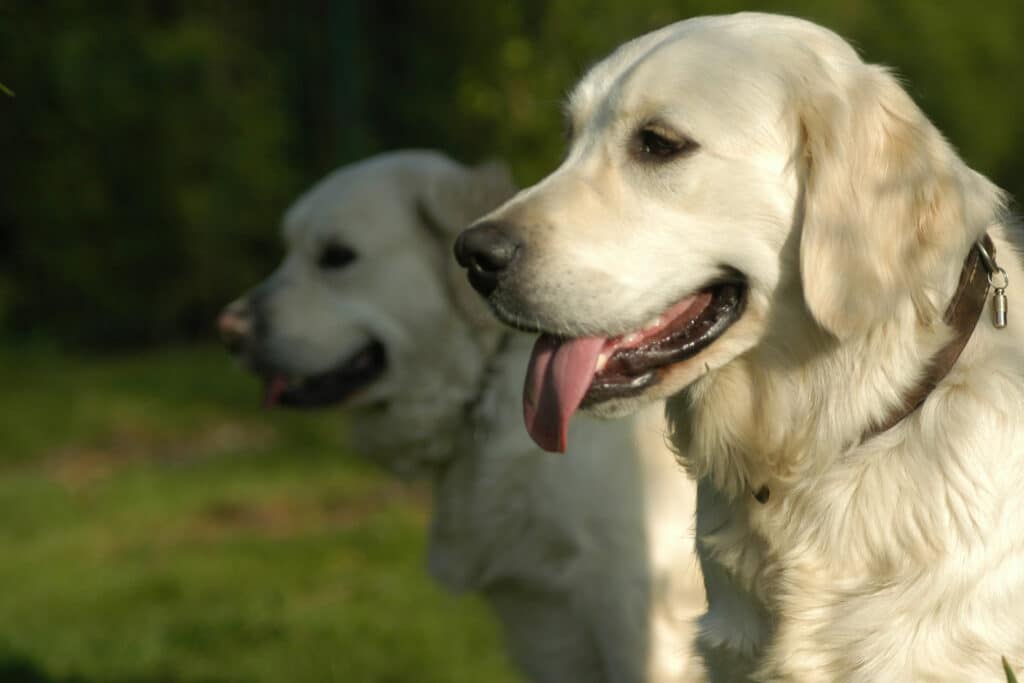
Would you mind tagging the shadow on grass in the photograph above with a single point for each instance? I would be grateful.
(17, 669)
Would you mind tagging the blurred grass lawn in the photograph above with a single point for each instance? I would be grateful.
(157, 525)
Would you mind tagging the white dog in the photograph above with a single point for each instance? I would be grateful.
(586, 558)
(755, 222)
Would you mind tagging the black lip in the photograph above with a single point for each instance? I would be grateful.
(619, 387)
(334, 386)
(630, 372)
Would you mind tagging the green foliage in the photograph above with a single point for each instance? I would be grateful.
(145, 166)
(160, 526)
(6, 91)
(1010, 678)
(153, 146)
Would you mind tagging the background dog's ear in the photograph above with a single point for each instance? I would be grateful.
(459, 198)
(453, 203)
(886, 202)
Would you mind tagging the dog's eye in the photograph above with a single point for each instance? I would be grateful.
(658, 146)
(335, 256)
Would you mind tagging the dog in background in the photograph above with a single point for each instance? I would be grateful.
(586, 558)
(756, 224)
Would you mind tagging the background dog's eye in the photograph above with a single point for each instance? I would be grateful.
(335, 256)
(653, 144)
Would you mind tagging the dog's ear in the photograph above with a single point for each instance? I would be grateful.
(453, 203)
(886, 201)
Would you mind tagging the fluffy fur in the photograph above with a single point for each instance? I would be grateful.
(899, 558)
(586, 558)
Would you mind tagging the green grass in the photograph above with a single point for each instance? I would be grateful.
(156, 525)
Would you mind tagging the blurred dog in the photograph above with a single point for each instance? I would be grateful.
(753, 220)
(586, 558)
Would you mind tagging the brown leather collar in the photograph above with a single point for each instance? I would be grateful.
(962, 315)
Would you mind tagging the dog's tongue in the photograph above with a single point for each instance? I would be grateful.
(273, 389)
(559, 375)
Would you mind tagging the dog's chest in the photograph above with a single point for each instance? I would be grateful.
(772, 604)
(794, 597)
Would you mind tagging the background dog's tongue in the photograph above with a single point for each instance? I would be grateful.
(559, 375)
(275, 386)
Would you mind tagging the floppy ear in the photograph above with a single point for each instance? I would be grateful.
(452, 204)
(888, 205)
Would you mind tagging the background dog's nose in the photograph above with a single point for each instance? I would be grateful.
(235, 325)
(486, 250)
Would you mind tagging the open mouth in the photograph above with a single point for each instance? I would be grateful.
(567, 373)
(327, 388)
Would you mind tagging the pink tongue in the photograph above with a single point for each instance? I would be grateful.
(274, 388)
(559, 375)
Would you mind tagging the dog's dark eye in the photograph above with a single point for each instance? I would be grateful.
(656, 145)
(335, 256)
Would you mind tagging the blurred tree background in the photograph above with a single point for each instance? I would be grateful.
(158, 527)
(153, 144)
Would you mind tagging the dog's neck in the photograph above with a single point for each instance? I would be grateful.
(775, 415)
(494, 348)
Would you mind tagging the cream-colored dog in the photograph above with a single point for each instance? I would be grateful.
(586, 558)
(755, 222)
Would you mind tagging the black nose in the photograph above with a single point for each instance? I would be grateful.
(235, 325)
(486, 250)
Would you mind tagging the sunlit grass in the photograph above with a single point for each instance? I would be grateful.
(156, 525)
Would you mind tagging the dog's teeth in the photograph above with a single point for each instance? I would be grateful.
(631, 338)
(602, 360)
(657, 322)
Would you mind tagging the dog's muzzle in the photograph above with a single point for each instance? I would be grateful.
(237, 325)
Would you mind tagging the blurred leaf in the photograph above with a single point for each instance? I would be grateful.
(1010, 678)
(5, 90)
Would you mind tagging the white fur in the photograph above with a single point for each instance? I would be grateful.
(585, 557)
(897, 559)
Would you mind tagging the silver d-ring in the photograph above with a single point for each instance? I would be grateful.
(999, 273)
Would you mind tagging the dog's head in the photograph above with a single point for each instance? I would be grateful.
(712, 165)
(367, 311)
